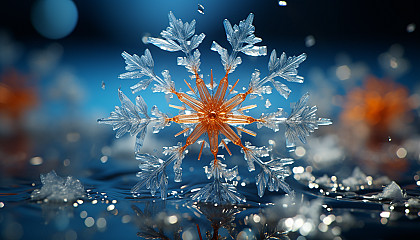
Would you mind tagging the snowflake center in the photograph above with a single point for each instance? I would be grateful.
(212, 115)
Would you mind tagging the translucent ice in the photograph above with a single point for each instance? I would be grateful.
(392, 191)
(58, 189)
(208, 111)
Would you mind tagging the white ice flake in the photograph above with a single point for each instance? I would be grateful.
(57, 189)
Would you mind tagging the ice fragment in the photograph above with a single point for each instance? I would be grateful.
(58, 189)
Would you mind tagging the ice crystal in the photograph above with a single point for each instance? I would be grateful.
(215, 110)
(56, 189)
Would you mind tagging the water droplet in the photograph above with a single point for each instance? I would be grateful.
(267, 103)
(200, 9)
(309, 41)
(103, 85)
(282, 3)
(411, 27)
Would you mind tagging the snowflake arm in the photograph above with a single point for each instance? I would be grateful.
(139, 67)
(134, 119)
(152, 174)
(217, 191)
(129, 118)
(284, 67)
(153, 170)
(177, 38)
(272, 172)
(302, 121)
(242, 39)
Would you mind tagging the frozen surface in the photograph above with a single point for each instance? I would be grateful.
(57, 189)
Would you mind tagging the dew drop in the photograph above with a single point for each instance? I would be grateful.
(103, 85)
(200, 9)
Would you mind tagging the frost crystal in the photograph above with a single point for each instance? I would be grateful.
(214, 111)
(56, 189)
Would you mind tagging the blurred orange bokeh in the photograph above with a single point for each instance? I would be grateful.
(373, 117)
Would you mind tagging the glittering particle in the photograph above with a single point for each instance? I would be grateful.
(103, 85)
(322, 227)
(329, 219)
(282, 3)
(300, 151)
(401, 152)
(75, 204)
(110, 207)
(80, 201)
(172, 219)
(1, 205)
(309, 41)
(36, 161)
(411, 27)
(200, 8)
(267, 103)
(393, 63)
(101, 223)
(288, 223)
(89, 222)
(389, 139)
(384, 221)
(95, 201)
(83, 214)
(114, 201)
(385, 214)
(306, 228)
(297, 170)
(104, 159)
(256, 218)
(343, 72)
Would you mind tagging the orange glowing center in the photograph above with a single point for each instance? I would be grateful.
(212, 114)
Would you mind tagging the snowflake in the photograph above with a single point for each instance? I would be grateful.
(208, 110)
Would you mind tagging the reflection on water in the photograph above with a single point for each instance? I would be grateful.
(315, 213)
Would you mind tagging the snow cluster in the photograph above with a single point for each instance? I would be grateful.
(57, 189)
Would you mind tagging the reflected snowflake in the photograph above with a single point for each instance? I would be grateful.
(208, 109)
